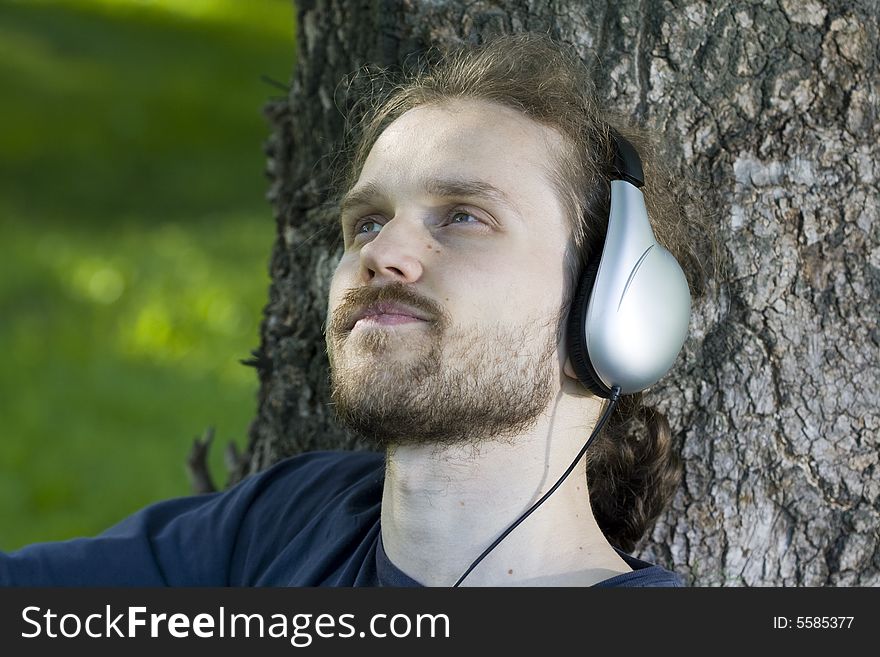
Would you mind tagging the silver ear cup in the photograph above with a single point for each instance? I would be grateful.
(639, 309)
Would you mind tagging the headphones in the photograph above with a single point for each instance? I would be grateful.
(629, 316)
(630, 312)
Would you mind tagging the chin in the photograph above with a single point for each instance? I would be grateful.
(386, 342)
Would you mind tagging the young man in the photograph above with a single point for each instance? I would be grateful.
(470, 204)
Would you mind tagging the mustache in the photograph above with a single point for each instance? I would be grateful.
(359, 297)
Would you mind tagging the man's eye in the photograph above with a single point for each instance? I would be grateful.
(369, 224)
(459, 213)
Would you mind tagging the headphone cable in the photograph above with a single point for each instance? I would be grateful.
(615, 396)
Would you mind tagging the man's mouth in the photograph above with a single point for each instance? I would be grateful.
(385, 314)
(385, 319)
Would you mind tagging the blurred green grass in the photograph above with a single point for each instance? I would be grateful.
(134, 250)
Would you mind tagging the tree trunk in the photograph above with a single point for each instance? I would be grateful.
(774, 398)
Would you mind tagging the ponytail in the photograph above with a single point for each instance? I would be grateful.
(633, 471)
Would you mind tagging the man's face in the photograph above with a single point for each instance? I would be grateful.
(454, 261)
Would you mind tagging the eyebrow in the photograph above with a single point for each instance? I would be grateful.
(441, 187)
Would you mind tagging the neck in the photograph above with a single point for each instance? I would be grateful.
(443, 505)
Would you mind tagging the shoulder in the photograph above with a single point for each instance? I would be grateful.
(306, 507)
(317, 476)
(300, 487)
(643, 574)
(329, 468)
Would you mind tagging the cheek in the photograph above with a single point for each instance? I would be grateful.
(335, 287)
(341, 280)
(533, 279)
(501, 294)
(543, 273)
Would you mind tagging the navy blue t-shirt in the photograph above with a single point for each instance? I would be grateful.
(310, 520)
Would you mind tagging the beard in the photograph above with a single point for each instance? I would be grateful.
(440, 384)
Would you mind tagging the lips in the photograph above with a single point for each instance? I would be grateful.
(385, 308)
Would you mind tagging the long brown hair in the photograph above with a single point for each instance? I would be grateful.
(633, 467)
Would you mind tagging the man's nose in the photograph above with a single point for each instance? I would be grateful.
(393, 254)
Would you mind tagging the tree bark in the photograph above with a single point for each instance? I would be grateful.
(774, 398)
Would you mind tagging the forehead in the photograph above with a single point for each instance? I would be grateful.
(467, 139)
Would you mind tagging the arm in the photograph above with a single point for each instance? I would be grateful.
(187, 541)
(230, 538)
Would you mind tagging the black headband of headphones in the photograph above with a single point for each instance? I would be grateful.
(627, 163)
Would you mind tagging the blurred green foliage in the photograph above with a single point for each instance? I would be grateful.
(134, 250)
